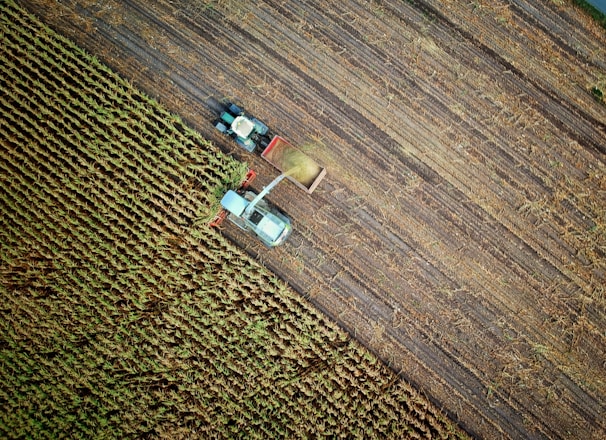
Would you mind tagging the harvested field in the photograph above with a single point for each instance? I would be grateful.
(124, 315)
(460, 231)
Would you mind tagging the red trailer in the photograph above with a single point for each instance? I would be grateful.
(302, 170)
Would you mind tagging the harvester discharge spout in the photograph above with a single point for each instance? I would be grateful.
(268, 188)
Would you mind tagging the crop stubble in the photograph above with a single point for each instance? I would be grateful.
(460, 230)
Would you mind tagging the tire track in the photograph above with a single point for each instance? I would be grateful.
(543, 100)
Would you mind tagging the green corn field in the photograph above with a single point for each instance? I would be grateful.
(122, 314)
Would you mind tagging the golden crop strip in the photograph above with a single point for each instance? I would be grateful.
(123, 314)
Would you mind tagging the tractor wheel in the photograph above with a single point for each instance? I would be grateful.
(261, 128)
(219, 125)
(234, 109)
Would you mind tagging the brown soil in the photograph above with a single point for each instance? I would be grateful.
(460, 231)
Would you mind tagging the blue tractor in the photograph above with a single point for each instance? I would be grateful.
(247, 131)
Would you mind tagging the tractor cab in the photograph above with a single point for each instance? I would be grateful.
(242, 126)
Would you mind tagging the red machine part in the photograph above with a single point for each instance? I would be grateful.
(221, 215)
(250, 176)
